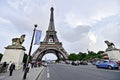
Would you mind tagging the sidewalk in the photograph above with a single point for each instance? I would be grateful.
(18, 74)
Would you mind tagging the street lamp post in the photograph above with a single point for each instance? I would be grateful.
(26, 68)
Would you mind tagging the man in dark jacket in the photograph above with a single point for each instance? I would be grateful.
(12, 67)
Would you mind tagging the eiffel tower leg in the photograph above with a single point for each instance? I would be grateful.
(41, 56)
(58, 56)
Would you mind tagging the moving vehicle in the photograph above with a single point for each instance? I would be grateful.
(107, 64)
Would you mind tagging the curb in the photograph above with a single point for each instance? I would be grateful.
(39, 73)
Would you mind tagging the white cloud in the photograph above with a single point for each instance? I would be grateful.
(89, 14)
(2, 21)
(72, 20)
(101, 17)
(75, 34)
(14, 3)
(92, 38)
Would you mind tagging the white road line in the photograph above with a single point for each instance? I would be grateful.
(48, 74)
(47, 70)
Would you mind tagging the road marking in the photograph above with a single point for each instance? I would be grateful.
(47, 70)
(48, 74)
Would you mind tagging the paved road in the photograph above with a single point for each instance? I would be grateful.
(82, 72)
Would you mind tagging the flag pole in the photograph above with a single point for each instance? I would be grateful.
(26, 68)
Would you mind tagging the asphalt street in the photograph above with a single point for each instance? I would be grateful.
(81, 72)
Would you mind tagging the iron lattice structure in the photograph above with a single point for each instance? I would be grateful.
(50, 44)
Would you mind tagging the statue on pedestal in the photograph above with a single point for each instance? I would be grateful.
(110, 45)
(15, 52)
(112, 52)
(17, 43)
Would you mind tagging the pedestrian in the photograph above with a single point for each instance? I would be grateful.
(32, 64)
(9, 65)
(12, 67)
(29, 66)
(4, 65)
(24, 66)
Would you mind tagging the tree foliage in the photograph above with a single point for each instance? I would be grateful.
(73, 57)
(1, 55)
(25, 58)
(84, 56)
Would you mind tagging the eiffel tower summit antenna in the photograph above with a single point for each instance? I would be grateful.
(52, 3)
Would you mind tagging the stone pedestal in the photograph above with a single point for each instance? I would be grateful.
(113, 54)
(15, 55)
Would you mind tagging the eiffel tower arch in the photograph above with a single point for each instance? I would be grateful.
(50, 44)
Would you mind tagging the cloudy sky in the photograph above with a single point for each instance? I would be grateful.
(80, 24)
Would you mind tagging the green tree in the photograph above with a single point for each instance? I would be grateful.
(82, 56)
(73, 57)
(100, 52)
(1, 55)
(91, 55)
(25, 58)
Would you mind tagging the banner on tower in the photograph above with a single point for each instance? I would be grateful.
(37, 37)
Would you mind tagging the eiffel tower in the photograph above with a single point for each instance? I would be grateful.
(50, 44)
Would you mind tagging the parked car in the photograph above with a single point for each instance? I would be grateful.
(83, 63)
(75, 63)
(107, 64)
(44, 64)
(93, 62)
(118, 62)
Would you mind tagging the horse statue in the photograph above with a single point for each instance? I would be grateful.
(18, 41)
(110, 45)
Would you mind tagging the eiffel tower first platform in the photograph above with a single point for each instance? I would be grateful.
(50, 44)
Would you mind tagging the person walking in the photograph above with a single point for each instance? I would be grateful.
(12, 67)
(24, 66)
(3, 68)
(29, 66)
(9, 65)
